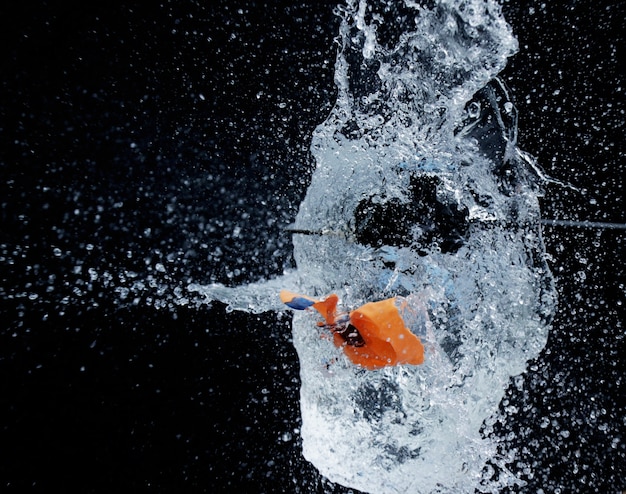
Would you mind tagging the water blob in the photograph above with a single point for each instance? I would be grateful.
(423, 214)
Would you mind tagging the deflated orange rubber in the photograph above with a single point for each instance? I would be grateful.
(328, 308)
(387, 340)
(296, 301)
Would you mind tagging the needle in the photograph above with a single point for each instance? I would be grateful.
(585, 224)
(600, 225)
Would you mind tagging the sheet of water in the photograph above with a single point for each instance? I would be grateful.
(481, 302)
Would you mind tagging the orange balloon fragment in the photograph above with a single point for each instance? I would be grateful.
(327, 307)
(387, 339)
(372, 336)
(295, 301)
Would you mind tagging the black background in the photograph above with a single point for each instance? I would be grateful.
(169, 143)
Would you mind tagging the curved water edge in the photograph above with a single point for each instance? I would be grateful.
(419, 191)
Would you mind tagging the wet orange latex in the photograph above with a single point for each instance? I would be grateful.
(387, 340)
(327, 307)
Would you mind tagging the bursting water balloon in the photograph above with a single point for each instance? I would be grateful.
(419, 192)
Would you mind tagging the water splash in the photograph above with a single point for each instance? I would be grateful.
(421, 192)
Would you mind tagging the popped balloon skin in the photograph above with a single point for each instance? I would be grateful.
(372, 336)
(388, 341)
